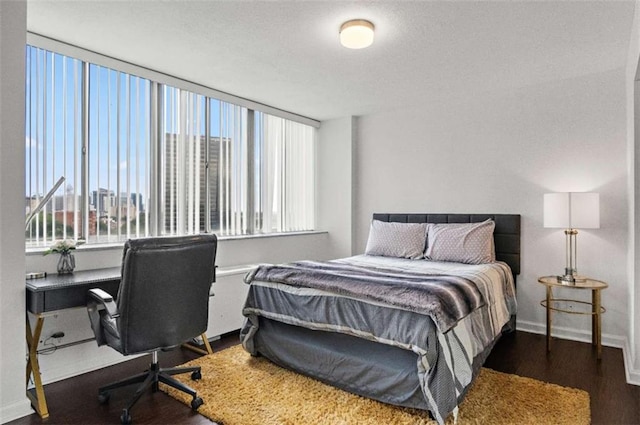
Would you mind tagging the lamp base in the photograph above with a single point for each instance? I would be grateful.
(571, 279)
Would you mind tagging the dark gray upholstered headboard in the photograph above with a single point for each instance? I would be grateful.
(506, 234)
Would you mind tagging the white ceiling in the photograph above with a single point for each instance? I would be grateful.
(286, 53)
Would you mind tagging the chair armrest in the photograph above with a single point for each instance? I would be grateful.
(102, 297)
(99, 303)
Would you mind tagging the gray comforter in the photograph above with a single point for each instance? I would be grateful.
(400, 314)
(444, 298)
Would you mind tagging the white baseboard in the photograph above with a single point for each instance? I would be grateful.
(82, 358)
(15, 410)
(608, 340)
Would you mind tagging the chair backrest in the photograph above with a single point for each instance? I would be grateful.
(163, 298)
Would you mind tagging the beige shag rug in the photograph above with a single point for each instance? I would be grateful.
(238, 389)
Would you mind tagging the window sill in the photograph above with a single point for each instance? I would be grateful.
(119, 245)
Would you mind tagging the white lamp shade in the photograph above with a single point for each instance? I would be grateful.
(585, 210)
(556, 210)
(356, 34)
(575, 210)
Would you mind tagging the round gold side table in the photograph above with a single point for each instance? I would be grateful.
(562, 305)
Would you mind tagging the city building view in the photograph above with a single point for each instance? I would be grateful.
(109, 214)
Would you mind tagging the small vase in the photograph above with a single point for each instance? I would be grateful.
(66, 263)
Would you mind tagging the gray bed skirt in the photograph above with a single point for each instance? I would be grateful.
(382, 372)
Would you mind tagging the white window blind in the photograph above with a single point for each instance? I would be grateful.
(184, 151)
(53, 144)
(142, 158)
(118, 156)
(228, 128)
(286, 175)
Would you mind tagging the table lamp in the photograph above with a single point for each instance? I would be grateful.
(42, 203)
(571, 211)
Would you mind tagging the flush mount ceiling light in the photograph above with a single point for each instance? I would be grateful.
(356, 34)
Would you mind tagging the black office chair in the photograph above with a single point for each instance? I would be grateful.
(163, 301)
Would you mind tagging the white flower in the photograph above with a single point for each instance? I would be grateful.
(63, 246)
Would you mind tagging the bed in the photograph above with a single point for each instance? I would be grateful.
(377, 326)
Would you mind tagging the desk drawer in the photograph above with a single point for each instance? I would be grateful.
(67, 297)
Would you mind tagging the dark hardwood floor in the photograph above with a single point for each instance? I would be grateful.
(573, 364)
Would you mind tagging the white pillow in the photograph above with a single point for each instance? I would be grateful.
(470, 243)
(403, 240)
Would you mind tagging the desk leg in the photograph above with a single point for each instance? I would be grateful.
(207, 346)
(38, 400)
(549, 297)
(206, 343)
(596, 324)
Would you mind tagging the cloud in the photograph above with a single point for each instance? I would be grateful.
(31, 143)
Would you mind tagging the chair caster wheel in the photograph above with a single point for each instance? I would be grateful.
(103, 398)
(125, 418)
(196, 402)
(196, 375)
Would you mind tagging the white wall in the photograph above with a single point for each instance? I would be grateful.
(500, 152)
(632, 80)
(13, 402)
(231, 252)
(335, 157)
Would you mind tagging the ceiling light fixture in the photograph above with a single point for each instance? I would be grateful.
(356, 34)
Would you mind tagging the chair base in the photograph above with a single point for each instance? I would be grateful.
(150, 379)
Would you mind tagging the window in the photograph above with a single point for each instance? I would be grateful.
(117, 156)
(184, 159)
(231, 174)
(53, 144)
(285, 198)
(142, 157)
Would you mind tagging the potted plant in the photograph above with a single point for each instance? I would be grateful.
(67, 262)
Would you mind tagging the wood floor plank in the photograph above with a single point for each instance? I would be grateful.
(570, 363)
